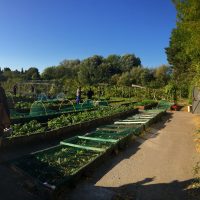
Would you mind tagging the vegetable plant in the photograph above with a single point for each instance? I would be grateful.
(66, 120)
(52, 166)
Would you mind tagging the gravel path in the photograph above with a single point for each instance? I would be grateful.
(157, 166)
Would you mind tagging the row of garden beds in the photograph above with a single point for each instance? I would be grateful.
(62, 165)
(64, 125)
(60, 130)
(43, 115)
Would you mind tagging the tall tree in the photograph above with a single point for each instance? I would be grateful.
(128, 61)
(89, 72)
(49, 73)
(125, 79)
(184, 48)
(162, 75)
(32, 74)
(114, 64)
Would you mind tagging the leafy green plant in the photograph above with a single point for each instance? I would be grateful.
(66, 120)
(22, 105)
(53, 166)
(145, 102)
(90, 143)
(59, 122)
(27, 128)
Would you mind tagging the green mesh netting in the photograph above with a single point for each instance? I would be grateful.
(164, 104)
(57, 163)
(38, 108)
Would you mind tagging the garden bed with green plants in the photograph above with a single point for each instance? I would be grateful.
(55, 167)
(88, 143)
(41, 113)
(120, 135)
(24, 107)
(146, 104)
(63, 126)
(52, 164)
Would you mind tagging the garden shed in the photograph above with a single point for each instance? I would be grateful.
(196, 100)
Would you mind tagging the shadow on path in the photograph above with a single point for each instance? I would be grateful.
(141, 190)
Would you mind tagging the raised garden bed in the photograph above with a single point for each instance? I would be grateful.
(122, 134)
(25, 117)
(145, 118)
(53, 168)
(84, 142)
(148, 106)
(64, 132)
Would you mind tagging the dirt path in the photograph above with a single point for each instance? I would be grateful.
(157, 166)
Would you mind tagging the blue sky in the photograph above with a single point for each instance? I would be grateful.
(42, 33)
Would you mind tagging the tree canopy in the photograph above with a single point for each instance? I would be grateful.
(183, 52)
(114, 69)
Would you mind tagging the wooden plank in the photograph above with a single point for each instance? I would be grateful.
(133, 122)
(82, 147)
(110, 130)
(143, 117)
(98, 139)
(113, 133)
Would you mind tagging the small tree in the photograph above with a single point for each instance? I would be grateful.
(171, 91)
